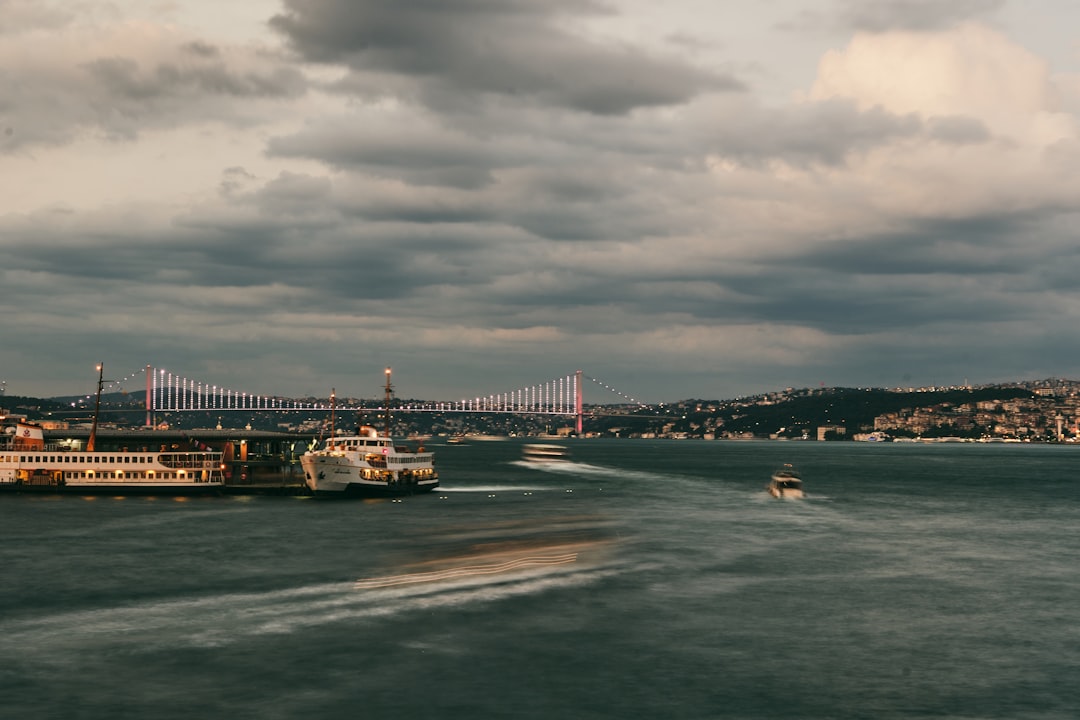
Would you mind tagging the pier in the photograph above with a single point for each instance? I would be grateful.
(256, 461)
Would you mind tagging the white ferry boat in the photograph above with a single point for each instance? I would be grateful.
(786, 482)
(368, 464)
(27, 463)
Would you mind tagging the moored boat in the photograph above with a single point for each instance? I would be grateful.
(28, 463)
(369, 464)
(786, 482)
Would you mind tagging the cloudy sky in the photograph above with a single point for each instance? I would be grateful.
(684, 199)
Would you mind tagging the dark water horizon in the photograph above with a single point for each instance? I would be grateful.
(639, 579)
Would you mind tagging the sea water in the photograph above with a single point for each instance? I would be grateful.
(639, 579)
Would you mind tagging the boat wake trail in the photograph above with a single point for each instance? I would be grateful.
(594, 471)
(466, 571)
(230, 618)
(562, 467)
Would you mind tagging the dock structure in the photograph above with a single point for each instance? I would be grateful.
(256, 461)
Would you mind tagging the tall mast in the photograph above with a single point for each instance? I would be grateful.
(333, 404)
(389, 394)
(97, 409)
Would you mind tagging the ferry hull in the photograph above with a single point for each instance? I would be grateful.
(164, 490)
(379, 490)
(330, 479)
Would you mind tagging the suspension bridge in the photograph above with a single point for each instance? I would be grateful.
(167, 391)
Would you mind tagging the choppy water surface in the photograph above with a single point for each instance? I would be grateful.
(641, 579)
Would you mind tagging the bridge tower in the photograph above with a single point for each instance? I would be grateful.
(579, 401)
(149, 396)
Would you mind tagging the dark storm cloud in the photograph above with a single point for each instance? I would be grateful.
(977, 270)
(548, 188)
(846, 304)
(510, 48)
(975, 246)
(72, 245)
(337, 262)
(418, 211)
(329, 247)
(916, 15)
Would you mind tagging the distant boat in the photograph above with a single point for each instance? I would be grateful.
(368, 464)
(455, 440)
(786, 482)
(544, 453)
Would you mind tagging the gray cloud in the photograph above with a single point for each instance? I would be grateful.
(125, 80)
(477, 48)
(22, 15)
(815, 133)
(122, 95)
(419, 155)
(917, 15)
(958, 130)
(486, 193)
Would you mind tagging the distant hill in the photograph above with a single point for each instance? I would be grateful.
(853, 408)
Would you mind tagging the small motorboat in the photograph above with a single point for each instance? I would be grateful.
(786, 482)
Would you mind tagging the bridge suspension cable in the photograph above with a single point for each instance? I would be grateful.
(167, 391)
(114, 385)
(171, 392)
(558, 396)
(621, 394)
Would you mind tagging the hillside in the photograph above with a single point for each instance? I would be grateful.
(800, 413)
